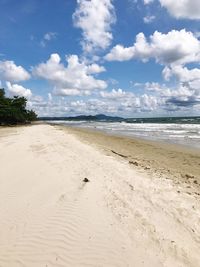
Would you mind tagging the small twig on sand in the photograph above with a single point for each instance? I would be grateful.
(121, 155)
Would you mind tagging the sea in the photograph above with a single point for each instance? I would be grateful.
(184, 131)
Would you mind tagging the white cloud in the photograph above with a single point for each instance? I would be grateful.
(47, 38)
(146, 2)
(187, 93)
(18, 90)
(115, 94)
(121, 101)
(91, 106)
(183, 74)
(13, 73)
(189, 9)
(125, 101)
(175, 47)
(120, 53)
(116, 102)
(180, 92)
(50, 98)
(95, 68)
(70, 92)
(148, 19)
(180, 9)
(153, 86)
(183, 96)
(148, 102)
(76, 77)
(95, 18)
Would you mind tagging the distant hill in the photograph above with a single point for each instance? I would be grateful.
(98, 117)
(102, 117)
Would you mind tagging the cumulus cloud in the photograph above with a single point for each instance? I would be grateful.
(124, 103)
(95, 68)
(189, 9)
(153, 86)
(116, 94)
(183, 96)
(174, 50)
(13, 73)
(114, 105)
(18, 90)
(120, 53)
(187, 92)
(148, 102)
(181, 9)
(127, 102)
(183, 74)
(95, 18)
(116, 102)
(76, 77)
(175, 47)
(70, 92)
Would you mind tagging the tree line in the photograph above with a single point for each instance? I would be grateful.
(13, 110)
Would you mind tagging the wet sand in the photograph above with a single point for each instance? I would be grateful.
(176, 162)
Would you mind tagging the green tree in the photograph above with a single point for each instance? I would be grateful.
(13, 110)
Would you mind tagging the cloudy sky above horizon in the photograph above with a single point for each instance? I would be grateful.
(131, 58)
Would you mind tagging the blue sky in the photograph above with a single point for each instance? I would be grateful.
(133, 58)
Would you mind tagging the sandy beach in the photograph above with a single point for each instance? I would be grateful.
(140, 206)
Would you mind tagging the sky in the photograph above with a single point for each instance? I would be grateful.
(130, 58)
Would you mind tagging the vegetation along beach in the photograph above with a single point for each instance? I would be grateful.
(99, 133)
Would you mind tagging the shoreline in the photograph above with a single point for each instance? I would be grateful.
(177, 162)
(174, 138)
(177, 146)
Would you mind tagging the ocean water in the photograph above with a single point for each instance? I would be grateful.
(185, 132)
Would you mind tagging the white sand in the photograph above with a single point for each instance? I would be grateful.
(122, 217)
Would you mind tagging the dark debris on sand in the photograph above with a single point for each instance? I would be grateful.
(86, 180)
